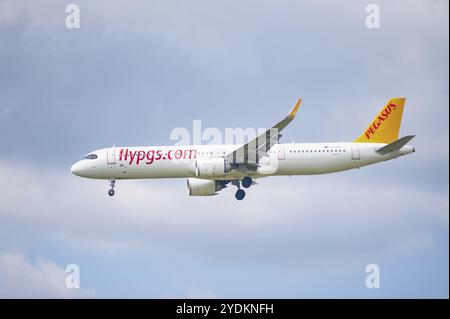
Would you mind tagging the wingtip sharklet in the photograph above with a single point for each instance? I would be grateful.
(295, 108)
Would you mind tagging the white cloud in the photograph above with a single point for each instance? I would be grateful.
(300, 220)
(20, 278)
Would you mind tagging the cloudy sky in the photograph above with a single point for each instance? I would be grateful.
(135, 70)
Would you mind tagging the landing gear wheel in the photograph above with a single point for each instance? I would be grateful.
(247, 182)
(112, 184)
(240, 194)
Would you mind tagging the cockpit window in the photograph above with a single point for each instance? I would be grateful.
(91, 156)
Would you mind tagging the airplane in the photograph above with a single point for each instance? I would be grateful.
(210, 168)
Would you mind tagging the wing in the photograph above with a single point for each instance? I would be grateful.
(252, 151)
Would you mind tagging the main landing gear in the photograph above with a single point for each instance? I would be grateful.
(112, 184)
(240, 194)
(246, 183)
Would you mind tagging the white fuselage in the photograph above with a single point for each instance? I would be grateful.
(181, 161)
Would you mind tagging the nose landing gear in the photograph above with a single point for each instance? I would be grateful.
(112, 184)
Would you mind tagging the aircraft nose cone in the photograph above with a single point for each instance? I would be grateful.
(76, 169)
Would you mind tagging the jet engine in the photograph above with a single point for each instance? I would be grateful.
(204, 187)
(212, 167)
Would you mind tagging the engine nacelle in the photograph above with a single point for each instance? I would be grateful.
(203, 187)
(212, 167)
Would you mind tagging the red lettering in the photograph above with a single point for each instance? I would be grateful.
(140, 157)
(190, 154)
(150, 157)
(384, 115)
(381, 118)
(132, 156)
(388, 110)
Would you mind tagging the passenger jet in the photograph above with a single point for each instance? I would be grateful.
(210, 168)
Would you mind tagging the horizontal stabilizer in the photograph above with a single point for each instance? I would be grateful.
(394, 146)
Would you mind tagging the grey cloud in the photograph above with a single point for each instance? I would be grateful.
(115, 80)
(134, 72)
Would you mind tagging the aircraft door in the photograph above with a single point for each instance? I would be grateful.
(111, 157)
(281, 154)
(355, 153)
